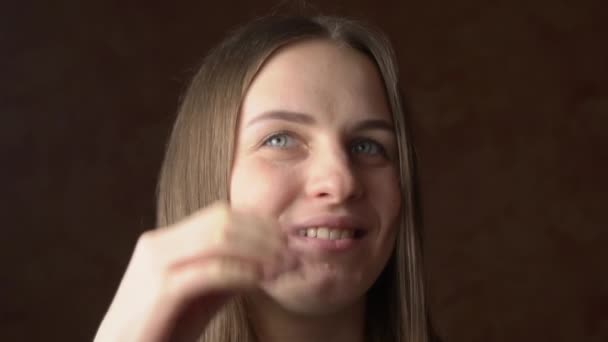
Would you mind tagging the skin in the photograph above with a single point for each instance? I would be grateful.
(330, 162)
(318, 162)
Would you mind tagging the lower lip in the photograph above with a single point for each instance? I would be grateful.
(324, 245)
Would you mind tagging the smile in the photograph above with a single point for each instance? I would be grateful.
(326, 233)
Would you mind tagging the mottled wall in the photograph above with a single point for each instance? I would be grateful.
(509, 111)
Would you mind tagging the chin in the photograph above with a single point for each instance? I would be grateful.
(316, 292)
(309, 304)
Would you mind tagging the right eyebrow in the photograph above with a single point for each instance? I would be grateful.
(283, 115)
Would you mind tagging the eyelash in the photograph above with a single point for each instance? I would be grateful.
(380, 149)
(267, 140)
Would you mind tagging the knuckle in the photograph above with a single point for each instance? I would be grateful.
(145, 243)
(225, 221)
(223, 233)
(145, 239)
(221, 211)
(148, 251)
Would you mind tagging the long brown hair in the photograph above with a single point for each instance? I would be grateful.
(199, 155)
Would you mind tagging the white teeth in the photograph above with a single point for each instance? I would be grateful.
(325, 233)
(311, 232)
(322, 233)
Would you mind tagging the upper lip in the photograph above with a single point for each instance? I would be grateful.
(329, 221)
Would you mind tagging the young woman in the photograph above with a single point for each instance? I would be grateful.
(286, 198)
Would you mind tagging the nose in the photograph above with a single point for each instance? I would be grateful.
(332, 178)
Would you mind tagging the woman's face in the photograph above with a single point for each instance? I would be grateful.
(317, 152)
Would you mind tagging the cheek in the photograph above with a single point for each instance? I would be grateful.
(386, 197)
(261, 187)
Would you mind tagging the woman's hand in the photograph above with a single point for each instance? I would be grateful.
(179, 276)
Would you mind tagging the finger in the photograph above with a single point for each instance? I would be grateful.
(220, 274)
(211, 232)
(270, 263)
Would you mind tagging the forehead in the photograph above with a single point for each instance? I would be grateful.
(320, 78)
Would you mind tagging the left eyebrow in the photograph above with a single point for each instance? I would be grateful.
(363, 125)
(374, 124)
(284, 116)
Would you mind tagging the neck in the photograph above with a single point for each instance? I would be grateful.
(273, 323)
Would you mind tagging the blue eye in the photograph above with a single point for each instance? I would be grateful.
(279, 140)
(367, 147)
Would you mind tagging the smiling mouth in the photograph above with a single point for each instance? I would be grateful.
(326, 233)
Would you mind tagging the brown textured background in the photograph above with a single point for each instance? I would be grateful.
(510, 113)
